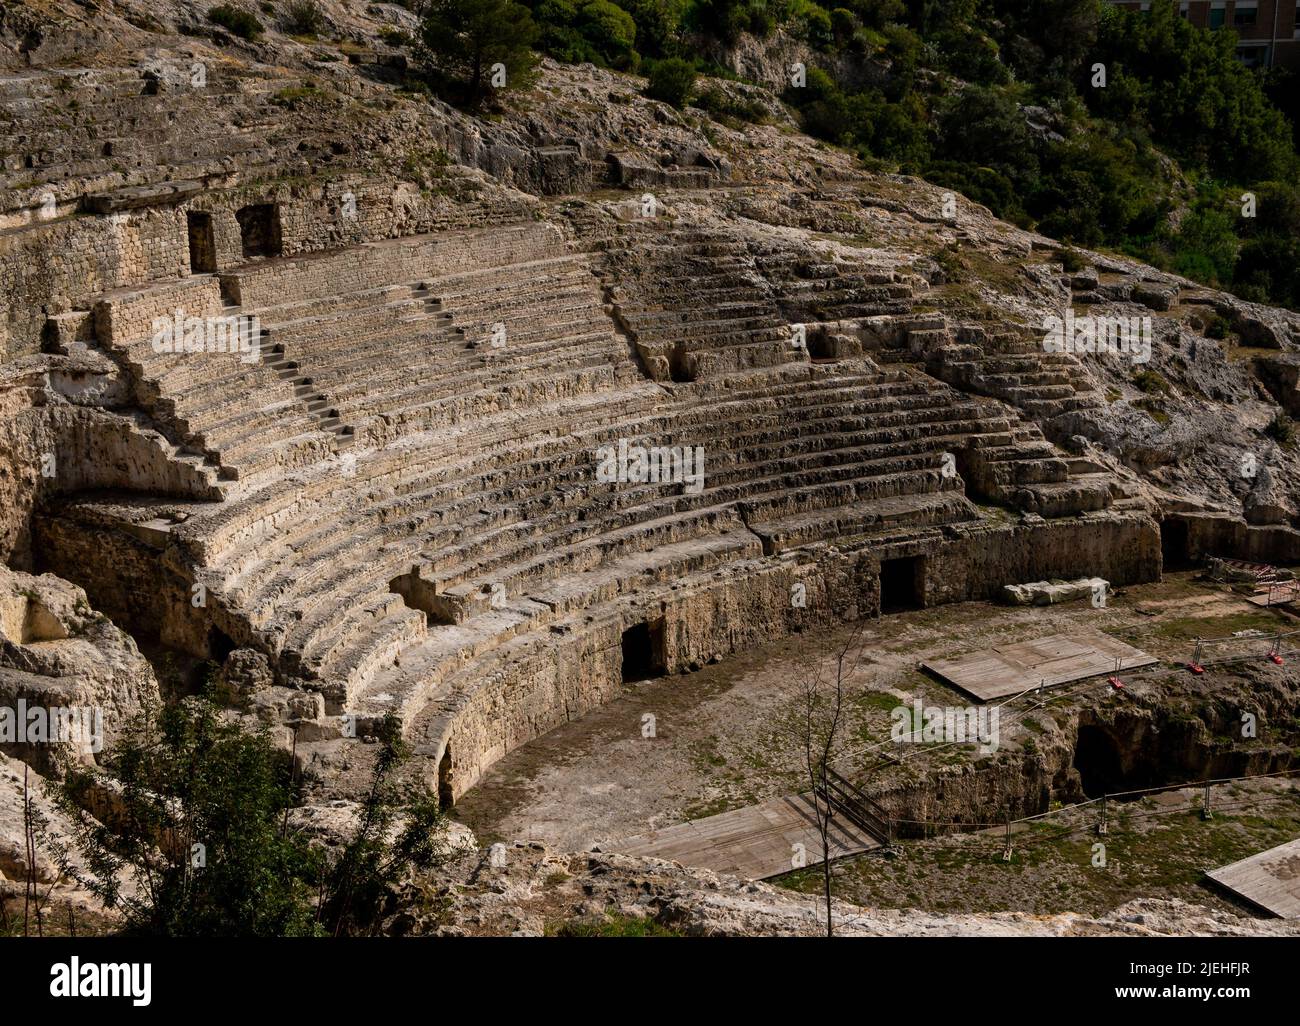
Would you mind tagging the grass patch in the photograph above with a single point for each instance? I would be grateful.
(613, 924)
(1150, 382)
(1186, 628)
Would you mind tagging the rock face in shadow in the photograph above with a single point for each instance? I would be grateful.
(69, 679)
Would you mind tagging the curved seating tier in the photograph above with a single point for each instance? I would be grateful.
(696, 305)
(484, 382)
(490, 518)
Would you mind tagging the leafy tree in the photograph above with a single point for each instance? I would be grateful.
(1199, 100)
(904, 49)
(198, 823)
(982, 184)
(658, 24)
(727, 19)
(398, 830)
(1045, 41)
(187, 777)
(972, 55)
(930, 17)
(985, 128)
(1268, 265)
(896, 131)
(612, 32)
(813, 23)
(1095, 187)
(1207, 245)
(595, 31)
(463, 39)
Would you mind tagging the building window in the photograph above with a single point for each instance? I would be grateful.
(1252, 56)
(1182, 10)
(1217, 14)
(1245, 15)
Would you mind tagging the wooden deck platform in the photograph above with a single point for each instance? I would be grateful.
(755, 842)
(1006, 670)
(1269, 880)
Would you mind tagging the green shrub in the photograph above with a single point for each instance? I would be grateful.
(813, 21)
(186, 776)
(727, 19)
(1071, 260)
(1282, 430)
(292, 96)
(235, 21)
(877, 13)
(1218, 327)
(672, 81)
(725, 107)
(1150, 382)
(395, 36)
(304, 18)
(984, 128)
(949, 260)
(971, 55)
(844, 23)
(981, 184)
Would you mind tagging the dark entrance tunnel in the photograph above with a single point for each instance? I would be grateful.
(1100, 766)
(902, 584)
(643, 651)
(1174, 551)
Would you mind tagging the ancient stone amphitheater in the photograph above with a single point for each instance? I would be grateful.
(394, 506)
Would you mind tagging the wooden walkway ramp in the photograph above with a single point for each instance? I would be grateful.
(755, 842)
(1006, 670)
(1269, 880)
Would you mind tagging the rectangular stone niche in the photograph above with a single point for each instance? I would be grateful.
(203, 245)
(259, 229)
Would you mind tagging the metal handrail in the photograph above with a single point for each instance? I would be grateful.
(848, 799)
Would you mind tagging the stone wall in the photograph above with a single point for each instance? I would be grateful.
(565, 677)
(128, 315)
(1122, 548)
(51, 268)
(126, 578)
(1222, 535)
(560, 682)
(751, 604)
(390, 262)
(50, 446)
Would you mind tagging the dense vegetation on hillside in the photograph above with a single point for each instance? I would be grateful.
(199, 827)
(1003, 101)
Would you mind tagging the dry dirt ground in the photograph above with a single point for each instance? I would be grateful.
(727, 736)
